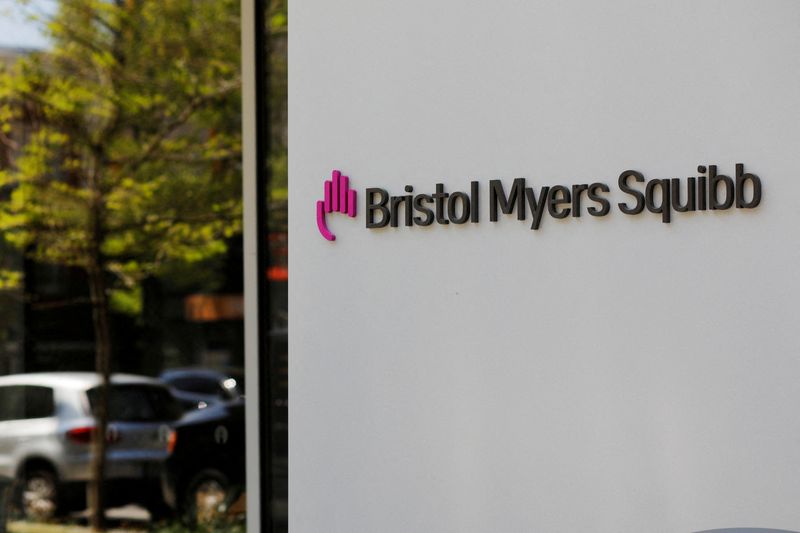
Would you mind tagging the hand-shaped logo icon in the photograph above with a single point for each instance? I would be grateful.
(339, 197)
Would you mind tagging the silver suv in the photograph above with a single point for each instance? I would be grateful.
(46, 428)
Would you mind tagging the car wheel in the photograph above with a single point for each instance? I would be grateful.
(207, 497)
(159, 511)
(37, 495)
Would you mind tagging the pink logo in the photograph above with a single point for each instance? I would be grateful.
(339, 197)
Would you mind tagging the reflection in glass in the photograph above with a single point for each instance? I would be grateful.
(121, 258)
(273, 239)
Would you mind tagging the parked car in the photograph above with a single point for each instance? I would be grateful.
(46, 429)
(197, 388)
(205, 473)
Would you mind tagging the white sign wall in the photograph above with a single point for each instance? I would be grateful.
(597, 374)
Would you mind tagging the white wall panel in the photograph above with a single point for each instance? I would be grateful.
(598, 374)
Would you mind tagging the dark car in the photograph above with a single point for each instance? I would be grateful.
(200, 387)
(206, 472)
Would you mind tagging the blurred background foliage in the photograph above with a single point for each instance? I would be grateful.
(131, 117)
(278, 161)
(121, 191)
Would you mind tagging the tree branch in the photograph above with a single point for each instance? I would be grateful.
(169, 128)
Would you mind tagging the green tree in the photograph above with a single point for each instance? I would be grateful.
(126, 159)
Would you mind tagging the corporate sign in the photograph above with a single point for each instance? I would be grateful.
(708, 191)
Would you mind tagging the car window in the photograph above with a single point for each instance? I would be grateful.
(138, 403)
(39, 402)
(199, 385)
(20, 402)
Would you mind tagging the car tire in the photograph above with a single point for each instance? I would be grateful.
(207, 497)
(36, 495)
(159, 511)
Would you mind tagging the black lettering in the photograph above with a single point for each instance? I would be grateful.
(713, 189)
(428, 220)
(623, 185)
(379, 206)
(394, 204)
(439, 197)
(409, 206)
(552, 205)
(676, 195)
(741, 178)
(537, 206)
(650, 196)
(605, 205)
(701, 193)
(497, 196)
(451, 207)
(474, 201)
(576, 199)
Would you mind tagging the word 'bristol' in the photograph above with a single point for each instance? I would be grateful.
(709, 190)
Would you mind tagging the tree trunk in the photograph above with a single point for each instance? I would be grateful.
(96, 496)
(102, 357)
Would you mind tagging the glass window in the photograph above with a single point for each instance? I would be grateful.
(121, 241)
(11, 407)
(38, 402)
(20, 402)
(199, 385)
(271, 95)
(137, 403)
